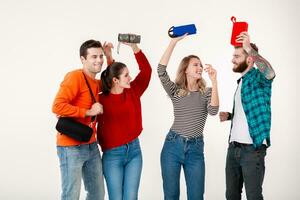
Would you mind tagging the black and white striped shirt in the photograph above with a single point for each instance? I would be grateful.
(190, 111)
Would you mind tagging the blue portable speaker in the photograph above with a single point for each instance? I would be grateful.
(177, 31)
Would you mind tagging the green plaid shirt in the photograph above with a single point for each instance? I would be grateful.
(256, 100)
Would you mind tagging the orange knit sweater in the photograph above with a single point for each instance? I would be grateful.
(73, 100)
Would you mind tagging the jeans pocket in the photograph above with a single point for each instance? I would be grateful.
(261, 152)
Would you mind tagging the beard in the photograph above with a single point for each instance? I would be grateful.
(240, 67)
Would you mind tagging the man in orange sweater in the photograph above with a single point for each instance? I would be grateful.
(77, 159)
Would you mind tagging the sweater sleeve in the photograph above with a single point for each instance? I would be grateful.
(68, 91)
(169, 86)
(141, 81)
(212, 110)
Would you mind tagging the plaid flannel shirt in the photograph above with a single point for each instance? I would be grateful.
(256, 100)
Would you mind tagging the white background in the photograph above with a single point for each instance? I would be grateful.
(40, 42)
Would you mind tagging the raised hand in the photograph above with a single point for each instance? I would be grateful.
(107, 49)
(244, 38)
(134, 46)
(212, 73)
(176, 39)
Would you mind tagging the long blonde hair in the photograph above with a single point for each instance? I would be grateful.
(181, 79)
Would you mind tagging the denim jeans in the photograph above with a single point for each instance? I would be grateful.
(244, 164)
(122, 167)
(82, 161)
(180, 152)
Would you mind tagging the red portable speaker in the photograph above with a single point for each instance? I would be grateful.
(237, 28)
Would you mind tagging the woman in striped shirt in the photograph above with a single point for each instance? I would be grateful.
(192, 101)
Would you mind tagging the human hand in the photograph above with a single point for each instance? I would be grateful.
(244, 38)
(107, 49)
(176, 39)
(133, 46)
(223, 116)
(96, 109)
(212, 73)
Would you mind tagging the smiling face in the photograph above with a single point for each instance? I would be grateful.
(93, 61)
(123, 80)
(194, 69)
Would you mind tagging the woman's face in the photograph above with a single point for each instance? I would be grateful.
(194, 69)
(124, 79)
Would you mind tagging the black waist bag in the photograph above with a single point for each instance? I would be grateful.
(74, 129)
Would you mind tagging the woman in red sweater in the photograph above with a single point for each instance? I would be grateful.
(120, 125)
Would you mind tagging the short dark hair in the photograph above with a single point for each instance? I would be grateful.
(88, 44)
(112, 71)
(251, 44)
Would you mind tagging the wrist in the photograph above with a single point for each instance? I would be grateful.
(173, 42)
(87, 113)
(214, 82)
(108, 56)
(248, 49)
(135, 49)
(110, 60)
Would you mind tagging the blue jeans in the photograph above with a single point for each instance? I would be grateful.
(82, 161)
(180, 152)
(244, 164)
(122, 167)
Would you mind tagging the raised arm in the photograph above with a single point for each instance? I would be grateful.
(212, 73)
(168, 52)
(141, 81)
(262, 64)
(169, 86)
(107, 49)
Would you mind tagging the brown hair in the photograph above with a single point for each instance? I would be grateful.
(251, 44)
(112, 71)
(88, 44)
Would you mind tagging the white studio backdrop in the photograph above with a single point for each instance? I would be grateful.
(40, 41)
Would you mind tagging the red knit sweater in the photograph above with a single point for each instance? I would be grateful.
(121, 121)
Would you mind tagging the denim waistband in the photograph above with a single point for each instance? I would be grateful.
(134, 142)
(175, 135)
(83, 145)
(237, 144)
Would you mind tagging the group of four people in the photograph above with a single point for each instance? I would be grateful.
(119, 124)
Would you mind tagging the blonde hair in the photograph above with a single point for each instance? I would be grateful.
(181, 79)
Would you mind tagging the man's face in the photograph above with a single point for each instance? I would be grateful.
(93, 61)
(239, 61)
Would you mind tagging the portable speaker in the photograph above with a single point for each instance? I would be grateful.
(177, 31)
(130, 38)
(237, 28)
